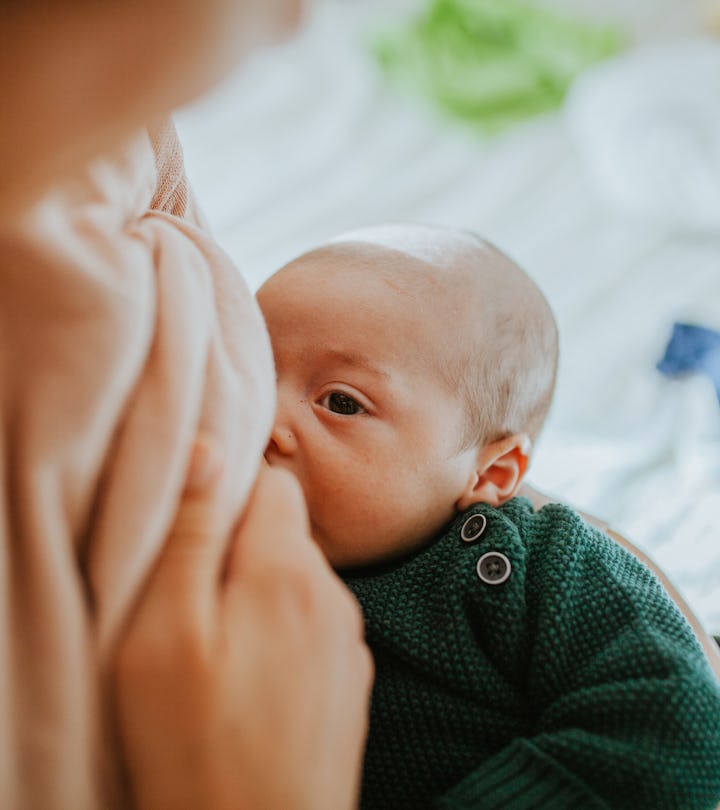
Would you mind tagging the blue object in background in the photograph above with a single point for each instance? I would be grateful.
(693, 349)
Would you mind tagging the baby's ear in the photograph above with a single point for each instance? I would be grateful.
(499, 470)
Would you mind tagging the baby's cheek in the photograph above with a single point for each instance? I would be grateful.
(351, 530)
(363, 509)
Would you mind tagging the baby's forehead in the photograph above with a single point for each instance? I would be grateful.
(448, 274)
(447, 284)
(367, 295)
(445, 268)
(430, 246)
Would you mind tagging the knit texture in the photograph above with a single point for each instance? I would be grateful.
(575, 683)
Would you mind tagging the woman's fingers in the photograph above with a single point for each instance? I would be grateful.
(275, 524)
(206, 464)
(248, 690)
(185, 577)
(274, 555)
(312, 672)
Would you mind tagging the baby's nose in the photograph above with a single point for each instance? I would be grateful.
(282, 442)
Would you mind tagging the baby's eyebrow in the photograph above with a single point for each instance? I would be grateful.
(356, 360)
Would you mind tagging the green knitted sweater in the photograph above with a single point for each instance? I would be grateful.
(574, 683)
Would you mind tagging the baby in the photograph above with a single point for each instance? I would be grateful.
(523, 659)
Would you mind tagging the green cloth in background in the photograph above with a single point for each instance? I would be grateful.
(493, 62)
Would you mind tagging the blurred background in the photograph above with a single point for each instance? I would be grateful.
(581, 138)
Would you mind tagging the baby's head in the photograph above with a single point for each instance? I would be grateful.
(415, 367)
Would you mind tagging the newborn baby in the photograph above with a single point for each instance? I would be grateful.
(414, 369)
(523, 658)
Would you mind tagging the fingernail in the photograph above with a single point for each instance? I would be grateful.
(205, 463)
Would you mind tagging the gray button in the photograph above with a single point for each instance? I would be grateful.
(473, 528)
(493, 568)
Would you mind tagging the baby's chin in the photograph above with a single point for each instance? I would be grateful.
(340, 553)
(347, 552)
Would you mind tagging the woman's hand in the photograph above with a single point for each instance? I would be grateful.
(243, 679)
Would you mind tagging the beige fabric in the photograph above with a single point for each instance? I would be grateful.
(124, 328)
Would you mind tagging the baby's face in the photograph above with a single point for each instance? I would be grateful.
(364, 420)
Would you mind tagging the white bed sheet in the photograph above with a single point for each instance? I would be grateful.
(309, 140)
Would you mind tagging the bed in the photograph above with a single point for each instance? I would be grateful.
(310, 139)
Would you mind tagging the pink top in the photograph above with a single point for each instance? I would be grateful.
(124, 329)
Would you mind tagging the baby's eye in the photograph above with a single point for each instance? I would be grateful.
(337, 402)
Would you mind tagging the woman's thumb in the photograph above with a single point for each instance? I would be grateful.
(206, 463)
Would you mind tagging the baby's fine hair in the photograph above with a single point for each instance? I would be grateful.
(507, 374)
(501, 340)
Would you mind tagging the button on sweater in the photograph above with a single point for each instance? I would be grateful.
(574, 682)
